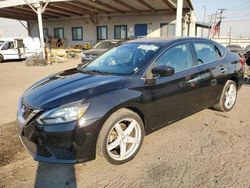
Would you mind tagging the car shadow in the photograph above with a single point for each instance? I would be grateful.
(55, 175)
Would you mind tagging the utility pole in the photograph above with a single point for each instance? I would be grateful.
(204, 19)
(221, 13)
(230, 34)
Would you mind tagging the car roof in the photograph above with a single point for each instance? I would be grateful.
(111, 40)
(168, 40)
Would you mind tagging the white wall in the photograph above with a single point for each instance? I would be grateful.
(89, 29)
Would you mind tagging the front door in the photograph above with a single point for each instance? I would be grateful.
(170, 98)
(141, 30)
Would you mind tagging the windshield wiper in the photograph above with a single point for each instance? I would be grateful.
(93, 71)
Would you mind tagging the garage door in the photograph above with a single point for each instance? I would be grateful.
(141, 30)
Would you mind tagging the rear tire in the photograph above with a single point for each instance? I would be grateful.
(121, 137)
(228, 97)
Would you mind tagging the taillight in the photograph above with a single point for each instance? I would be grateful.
(242, 61)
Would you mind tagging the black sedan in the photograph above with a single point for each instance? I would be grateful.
(107, 106)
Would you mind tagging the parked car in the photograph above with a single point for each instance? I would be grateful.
(106, 107)
(11, 49)
(99, 49)
(235, 48)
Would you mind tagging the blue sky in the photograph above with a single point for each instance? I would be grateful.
(236, 16)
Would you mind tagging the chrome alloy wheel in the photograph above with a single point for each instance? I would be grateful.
(230, 96)
(124, 139)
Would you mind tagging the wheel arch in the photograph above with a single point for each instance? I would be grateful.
(235, 79)
(132, 107)
(1, 57)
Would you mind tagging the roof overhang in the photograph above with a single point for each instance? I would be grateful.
(19, 9)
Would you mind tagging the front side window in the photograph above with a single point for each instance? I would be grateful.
(207, 52)
(1, 43)
(124, 59)
(59, 33)
(102, 32)
(8, 45)
(120, 32)
(77, 33)
(179, 57)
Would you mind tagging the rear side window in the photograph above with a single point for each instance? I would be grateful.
(207, 52)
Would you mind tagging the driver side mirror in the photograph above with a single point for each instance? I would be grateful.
(163, 70)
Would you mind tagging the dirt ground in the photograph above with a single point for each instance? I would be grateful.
(207, 149)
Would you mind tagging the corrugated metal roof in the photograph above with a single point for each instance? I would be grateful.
(18, 9)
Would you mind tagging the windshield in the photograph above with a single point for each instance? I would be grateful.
(124, 59)
(105, 44)
(1, 42)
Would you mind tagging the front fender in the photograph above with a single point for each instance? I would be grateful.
(102, 106)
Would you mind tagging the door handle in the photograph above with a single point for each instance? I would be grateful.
(194, 80)
(223, 70)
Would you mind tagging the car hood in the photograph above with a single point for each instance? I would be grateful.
(95, 51)
(69, 86)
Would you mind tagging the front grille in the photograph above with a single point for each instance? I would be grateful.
(26, 110)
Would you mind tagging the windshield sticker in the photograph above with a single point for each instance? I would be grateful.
(148, 47)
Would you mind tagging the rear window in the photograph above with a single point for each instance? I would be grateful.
(207, 52)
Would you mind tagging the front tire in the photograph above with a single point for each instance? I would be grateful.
(228, 97)
(1, 58)
(121, 136)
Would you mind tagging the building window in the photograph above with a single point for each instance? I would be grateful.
(164, 29)
(167, 29)
(77, 33)
(59, 32)
(45, 33)
(121, 32)
(102, 32)
(171, 30)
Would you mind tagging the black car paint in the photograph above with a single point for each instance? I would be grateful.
(187, 92)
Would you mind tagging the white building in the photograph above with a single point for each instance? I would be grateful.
(81, 21)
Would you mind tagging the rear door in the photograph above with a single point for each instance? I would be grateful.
(173, 97)
(213, 70)
(141, 30)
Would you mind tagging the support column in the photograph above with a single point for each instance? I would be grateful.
(40, 26)
(39, 9)
(178, 29)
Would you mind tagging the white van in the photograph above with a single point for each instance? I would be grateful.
(18, 48)
(11, 48)
(32, 46)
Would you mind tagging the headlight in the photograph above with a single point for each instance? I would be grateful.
(62, 114)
